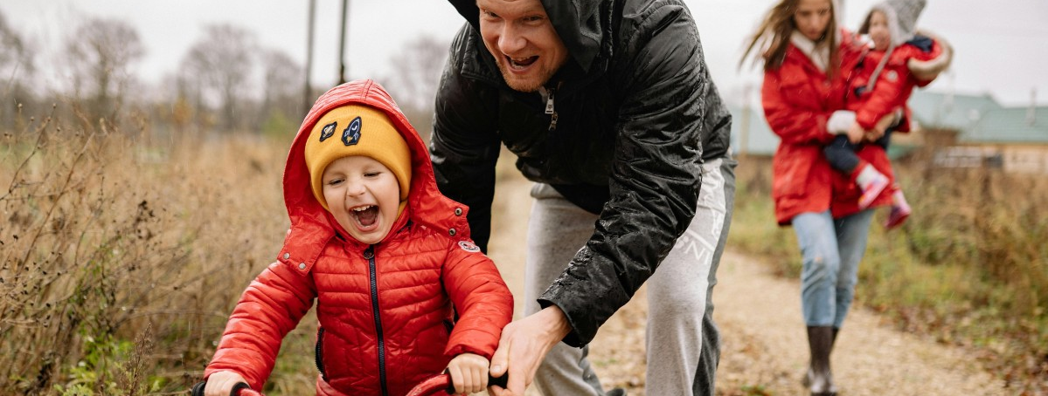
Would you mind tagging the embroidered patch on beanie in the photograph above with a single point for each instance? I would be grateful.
(351, 135)
(328, 131)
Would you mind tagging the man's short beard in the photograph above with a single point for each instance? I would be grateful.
(514, 83)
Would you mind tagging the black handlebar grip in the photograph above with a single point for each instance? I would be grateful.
(239, 386)
(500, 381)
(198, 389)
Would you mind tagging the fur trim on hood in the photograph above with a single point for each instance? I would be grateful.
(930, 69)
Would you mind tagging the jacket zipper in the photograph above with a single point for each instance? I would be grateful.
(551, 110)
(369, 254)
(320, 354)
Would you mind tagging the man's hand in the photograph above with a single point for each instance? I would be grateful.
(469, 373)
(523, 345)
(221, 383)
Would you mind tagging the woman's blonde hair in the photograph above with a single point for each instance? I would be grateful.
(773, 36)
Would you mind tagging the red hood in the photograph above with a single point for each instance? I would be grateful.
(312, 226)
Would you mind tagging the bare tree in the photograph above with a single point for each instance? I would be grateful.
(221, 64)
(179, 99)
(100, 53)
(416, 73)
(282, 79)
(16, 67)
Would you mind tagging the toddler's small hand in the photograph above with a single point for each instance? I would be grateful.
(221, 383)
(469, 373)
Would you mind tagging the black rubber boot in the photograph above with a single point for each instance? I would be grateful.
(820, 343)
(806, 380)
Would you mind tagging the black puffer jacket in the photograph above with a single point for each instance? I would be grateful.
(636, 113)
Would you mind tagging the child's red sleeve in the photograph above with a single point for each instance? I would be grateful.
(889, 93)
(937, 50)
(482, 300)
(271, 307)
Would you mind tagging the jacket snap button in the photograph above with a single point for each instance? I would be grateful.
(368, 254)
(451, 232)
(458, 211)
(301, 266)
(287, 256)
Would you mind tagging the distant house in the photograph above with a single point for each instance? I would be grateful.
(956, 131)
(975, 131)
(750, 133)
(948, 111)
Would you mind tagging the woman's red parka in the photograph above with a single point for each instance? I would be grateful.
(386, 310)
(798, 99)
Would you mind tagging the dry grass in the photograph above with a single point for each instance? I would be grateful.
(970, 266)
(122, 253)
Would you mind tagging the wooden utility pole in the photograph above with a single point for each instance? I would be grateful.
(307, 96)
(342, 48)
(744, 124)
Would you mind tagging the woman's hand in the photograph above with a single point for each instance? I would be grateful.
(469, 373)
(856, 133)
(221, 383)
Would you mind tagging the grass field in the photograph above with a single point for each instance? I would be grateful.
(124, 251)
(970, 266)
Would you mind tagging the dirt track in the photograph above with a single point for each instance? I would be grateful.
(764, 348)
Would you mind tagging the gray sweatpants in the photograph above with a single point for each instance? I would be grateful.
(683, 345)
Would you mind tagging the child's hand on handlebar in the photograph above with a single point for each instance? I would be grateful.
(221, 383)
(469, 373)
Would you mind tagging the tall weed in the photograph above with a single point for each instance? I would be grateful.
(123, 252)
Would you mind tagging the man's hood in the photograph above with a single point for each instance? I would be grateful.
(577, 23)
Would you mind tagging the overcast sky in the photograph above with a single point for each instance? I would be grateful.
(1000, 45)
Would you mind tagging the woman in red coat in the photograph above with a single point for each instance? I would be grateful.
(807, 61)
(388, 259)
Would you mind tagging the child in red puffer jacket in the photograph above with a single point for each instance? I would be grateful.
(388, 259)
(899, 60)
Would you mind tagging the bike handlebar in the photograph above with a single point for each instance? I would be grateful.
(443, 382)
(440, 382)
(240, 389)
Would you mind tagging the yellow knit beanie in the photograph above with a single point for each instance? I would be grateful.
(356, 130)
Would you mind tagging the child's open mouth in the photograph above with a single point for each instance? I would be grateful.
(366, 215)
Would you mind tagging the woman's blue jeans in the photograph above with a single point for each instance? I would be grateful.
(831, 250)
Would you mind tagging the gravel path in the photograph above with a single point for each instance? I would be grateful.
(765, 345)
(764, 349)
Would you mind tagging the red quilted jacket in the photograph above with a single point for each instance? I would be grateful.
(894, 85)
(385, 310)
(893, 89)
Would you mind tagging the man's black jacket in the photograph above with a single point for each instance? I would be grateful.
(635, 115)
